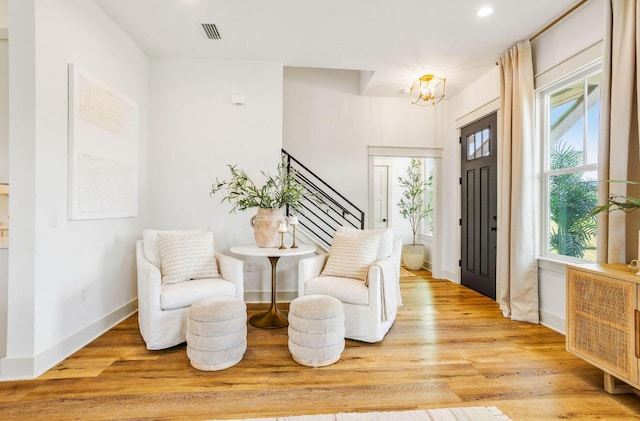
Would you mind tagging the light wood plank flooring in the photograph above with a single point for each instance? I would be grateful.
(448, 347)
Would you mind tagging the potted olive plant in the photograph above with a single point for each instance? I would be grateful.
(277, 191)
(412, 207)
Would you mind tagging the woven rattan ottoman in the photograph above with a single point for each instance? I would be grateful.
(316, 330)
(216, 333)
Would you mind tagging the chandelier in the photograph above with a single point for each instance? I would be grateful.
(428, 90)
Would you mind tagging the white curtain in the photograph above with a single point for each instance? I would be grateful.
(619, 140)
(518, 191)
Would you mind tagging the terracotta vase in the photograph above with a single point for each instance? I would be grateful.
(265, 227)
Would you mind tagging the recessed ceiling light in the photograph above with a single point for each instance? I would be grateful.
(484, 11)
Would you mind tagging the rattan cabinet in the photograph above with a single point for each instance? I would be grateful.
(603, 322)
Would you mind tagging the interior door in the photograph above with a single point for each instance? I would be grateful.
(381, 196)
(479, 205)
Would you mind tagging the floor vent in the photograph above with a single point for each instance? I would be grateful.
(211, 31)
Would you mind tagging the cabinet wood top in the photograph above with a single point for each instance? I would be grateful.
(617, 270)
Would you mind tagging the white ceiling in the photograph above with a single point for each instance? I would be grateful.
(393, 41)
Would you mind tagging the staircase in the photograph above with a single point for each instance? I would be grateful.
(320, 220)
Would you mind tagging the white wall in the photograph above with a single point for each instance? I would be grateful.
(21, 296)
(195, 132)
(4, 274)
(317, 115)
(4, 18)
(4, 111)
(472, 103)
(570, 37)
(573, 43)
(566, 46)
(52, 261)
(4, 171)
(328, 126)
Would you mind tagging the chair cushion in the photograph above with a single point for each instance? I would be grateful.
(216, 360)
(347, 290)
(184, 294)
(201, 328)
(317, 326)
(351, 256)
(312, 306)
(315, 340)
(218, 309)
(150, 243)
(386, 241)
(316, 357)
(219, 342)
(187, 256)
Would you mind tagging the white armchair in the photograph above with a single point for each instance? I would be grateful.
(370, 307)
(163, 308)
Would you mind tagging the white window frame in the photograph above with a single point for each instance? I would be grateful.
(542, 117)
(428, 165)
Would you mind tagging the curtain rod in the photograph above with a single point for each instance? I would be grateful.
(558, 19)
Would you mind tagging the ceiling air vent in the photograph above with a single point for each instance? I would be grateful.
(211, 31)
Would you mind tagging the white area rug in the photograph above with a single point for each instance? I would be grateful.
(471, 413)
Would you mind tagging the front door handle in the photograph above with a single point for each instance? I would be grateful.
(494, 229)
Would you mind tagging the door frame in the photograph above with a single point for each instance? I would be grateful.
(475, 279)
(409, 152)
(388, 163)
(471, 117)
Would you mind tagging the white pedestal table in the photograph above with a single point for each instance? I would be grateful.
(271, 318)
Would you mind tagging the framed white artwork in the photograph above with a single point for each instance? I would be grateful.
(103, 150)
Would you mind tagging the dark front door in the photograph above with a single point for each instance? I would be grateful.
(479, 203)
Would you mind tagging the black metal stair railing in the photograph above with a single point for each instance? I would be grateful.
(320, 220)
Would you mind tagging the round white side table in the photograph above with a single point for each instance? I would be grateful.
(271, 318)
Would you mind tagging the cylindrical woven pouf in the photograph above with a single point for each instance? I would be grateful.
(216, 333)
(316, 330)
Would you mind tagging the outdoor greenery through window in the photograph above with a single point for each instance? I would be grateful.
(570, 110)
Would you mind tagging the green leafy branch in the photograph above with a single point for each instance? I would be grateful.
(618, 202)
(282, 189)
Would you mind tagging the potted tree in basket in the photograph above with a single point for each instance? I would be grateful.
(413, 208)
(278, 191)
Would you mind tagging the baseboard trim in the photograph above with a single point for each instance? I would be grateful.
(16, 369)
(30, 368)
(449, 276)
(553, 321)
(255, 297)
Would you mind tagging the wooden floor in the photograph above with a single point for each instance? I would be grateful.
(448, 347)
